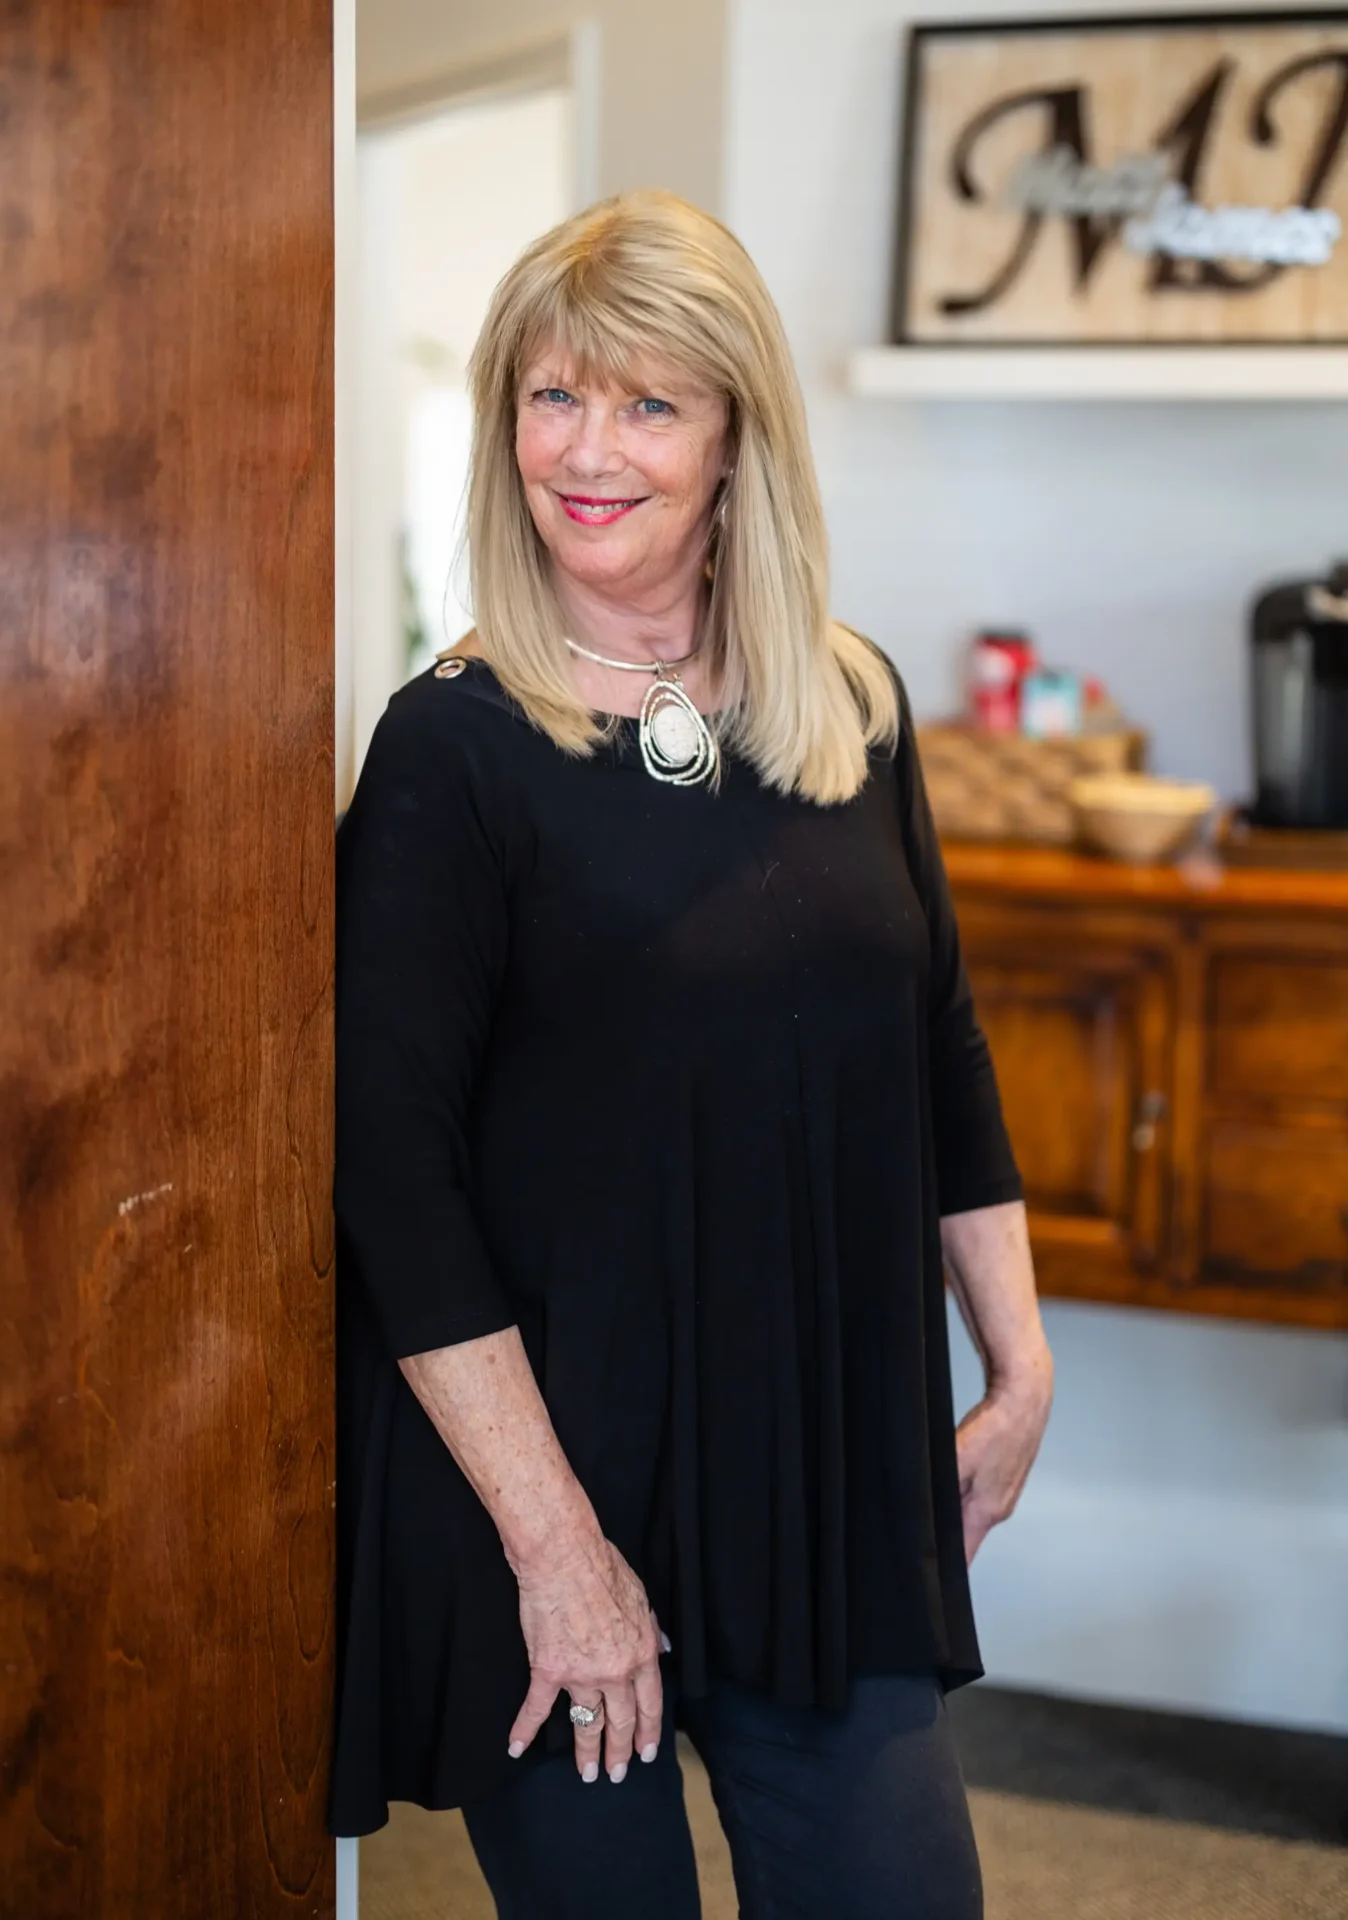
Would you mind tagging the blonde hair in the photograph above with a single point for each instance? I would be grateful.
(642, 275)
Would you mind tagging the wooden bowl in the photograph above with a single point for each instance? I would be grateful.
(1137, 817)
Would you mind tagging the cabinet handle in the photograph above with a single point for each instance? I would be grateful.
(1150, 1109)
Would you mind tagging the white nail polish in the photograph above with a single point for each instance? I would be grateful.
(648, 1753)
(619, 1773)
(515, 1749)
(666, 1644)
(591, 1774)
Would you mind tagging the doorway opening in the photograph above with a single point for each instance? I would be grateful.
(446, 199)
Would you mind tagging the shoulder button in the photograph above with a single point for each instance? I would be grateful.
(450, 669)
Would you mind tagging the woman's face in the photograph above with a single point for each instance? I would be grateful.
(621, 481)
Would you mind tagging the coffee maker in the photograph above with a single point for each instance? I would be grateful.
(1299, 640)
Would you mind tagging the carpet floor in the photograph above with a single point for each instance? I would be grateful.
(1082, 1813)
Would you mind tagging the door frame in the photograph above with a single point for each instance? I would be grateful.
(570, 59)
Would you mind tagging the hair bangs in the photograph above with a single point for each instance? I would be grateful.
(603, 330)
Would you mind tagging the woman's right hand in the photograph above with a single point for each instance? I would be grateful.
(590, 1632)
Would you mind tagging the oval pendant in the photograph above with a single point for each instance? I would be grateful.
(673, 734)
(676, 744)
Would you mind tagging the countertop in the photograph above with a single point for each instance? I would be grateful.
(1199, 881)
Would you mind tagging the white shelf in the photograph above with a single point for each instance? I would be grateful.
(1100, 373)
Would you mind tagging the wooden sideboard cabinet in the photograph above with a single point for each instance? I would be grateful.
(1172, 1049)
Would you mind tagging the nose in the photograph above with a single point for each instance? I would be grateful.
(595, 449)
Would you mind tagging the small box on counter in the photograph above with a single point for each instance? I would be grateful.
(1050, 704)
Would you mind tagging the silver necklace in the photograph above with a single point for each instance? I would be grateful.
(677, 745)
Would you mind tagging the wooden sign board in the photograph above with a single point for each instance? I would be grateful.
(1163, 179)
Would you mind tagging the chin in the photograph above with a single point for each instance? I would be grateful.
(595, 563)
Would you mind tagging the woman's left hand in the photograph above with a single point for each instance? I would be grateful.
(996, 1444)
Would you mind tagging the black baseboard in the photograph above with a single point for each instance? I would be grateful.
(1216, 1773)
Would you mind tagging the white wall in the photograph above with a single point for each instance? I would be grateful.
(660, 101)
(1185, 1538)
(1127, 538)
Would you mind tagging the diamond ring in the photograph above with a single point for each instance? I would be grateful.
(585, 1716)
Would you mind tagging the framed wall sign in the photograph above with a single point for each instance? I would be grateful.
(1166, 179)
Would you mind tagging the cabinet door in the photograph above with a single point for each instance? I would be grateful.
(1269, 1231)
(1082, 1051)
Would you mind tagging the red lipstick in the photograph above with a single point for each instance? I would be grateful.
(587, 510)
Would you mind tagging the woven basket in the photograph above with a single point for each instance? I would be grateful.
(1002, 786)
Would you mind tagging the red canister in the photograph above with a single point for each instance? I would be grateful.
(998, 662)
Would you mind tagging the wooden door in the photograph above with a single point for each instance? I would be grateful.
(166, 812)
(1080, 1032)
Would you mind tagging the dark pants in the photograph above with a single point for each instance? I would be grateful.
(845, 1816)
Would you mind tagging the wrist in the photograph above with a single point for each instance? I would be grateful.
(548, 1546)
(1025, 1371)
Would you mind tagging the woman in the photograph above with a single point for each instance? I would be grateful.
(661, 1098)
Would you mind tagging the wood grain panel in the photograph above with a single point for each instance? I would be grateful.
(1081, 1048)
(1278, 1028)
(1061, 1054)
(166, 1465)
(1276, 1203)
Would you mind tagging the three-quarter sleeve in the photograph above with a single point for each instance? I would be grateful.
(975, 1166)
(421, 943)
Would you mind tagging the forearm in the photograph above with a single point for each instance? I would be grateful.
(991, 1273)
(484, 1401)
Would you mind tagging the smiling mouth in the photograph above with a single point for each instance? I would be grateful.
(588, 512)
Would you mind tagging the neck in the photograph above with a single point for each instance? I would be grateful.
(663, 624)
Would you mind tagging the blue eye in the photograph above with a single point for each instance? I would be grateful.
(557, 395)
(654, 409)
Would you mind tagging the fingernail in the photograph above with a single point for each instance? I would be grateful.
(515, 1749)
(619, 1773)
(591, 1774)
(666, 1644)
(648, 1753)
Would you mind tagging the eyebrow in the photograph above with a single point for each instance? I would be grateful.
(542, 374)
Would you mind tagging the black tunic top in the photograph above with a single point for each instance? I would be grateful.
(680, 1083)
